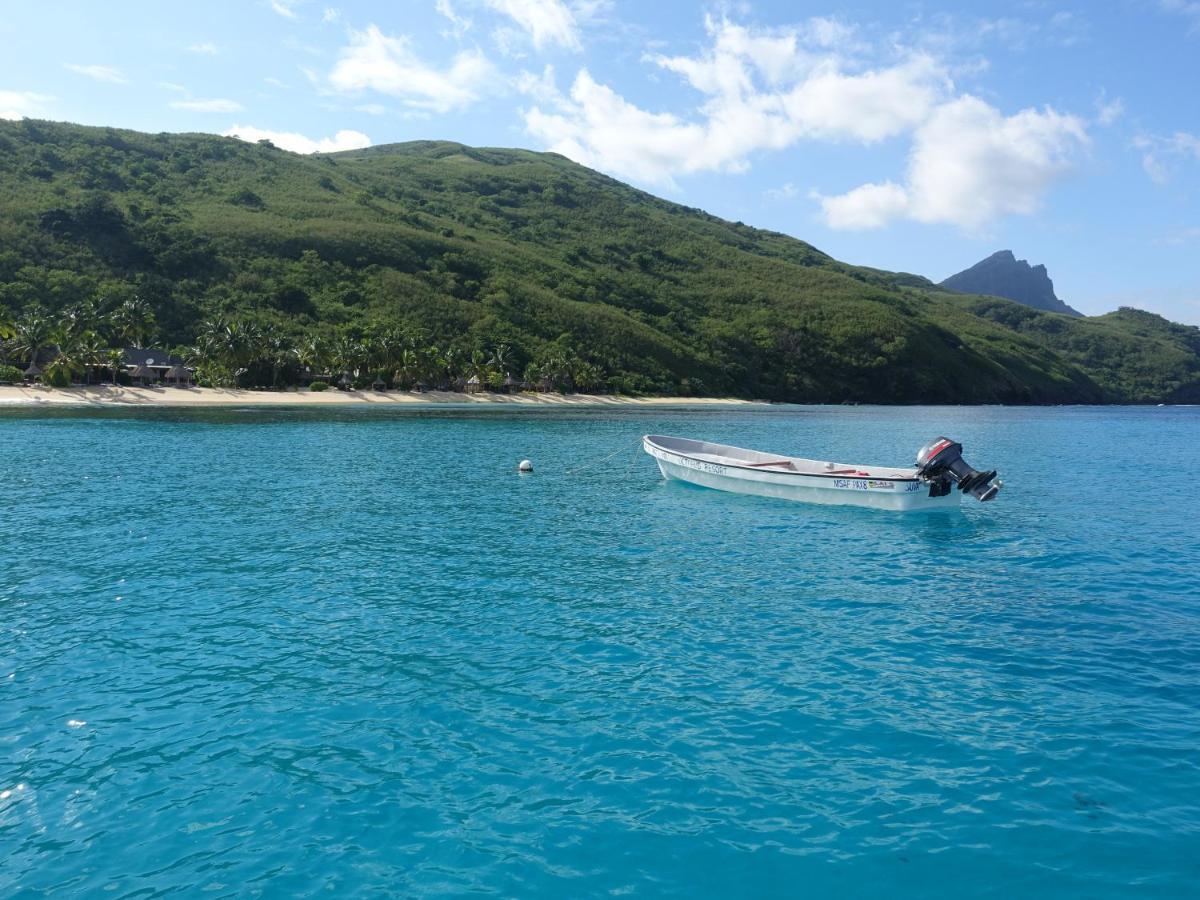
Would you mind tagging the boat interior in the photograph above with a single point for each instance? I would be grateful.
(723, 454)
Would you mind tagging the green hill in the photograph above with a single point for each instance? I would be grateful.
(469, 249)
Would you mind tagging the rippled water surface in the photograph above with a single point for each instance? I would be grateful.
(309, 652)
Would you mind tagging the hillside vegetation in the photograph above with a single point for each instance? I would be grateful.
(435, 246)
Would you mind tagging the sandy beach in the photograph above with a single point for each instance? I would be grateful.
(108, 395)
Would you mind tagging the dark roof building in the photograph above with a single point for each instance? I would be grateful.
(149, 356)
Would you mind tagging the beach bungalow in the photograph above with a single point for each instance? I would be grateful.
(474, 385)
(179, 375)
(511, 385)
(144, 375)
(148, 365)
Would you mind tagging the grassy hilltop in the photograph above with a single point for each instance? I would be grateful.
(469, 249)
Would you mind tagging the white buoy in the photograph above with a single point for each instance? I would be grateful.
(524, 466)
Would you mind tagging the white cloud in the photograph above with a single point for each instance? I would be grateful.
(283, 7)
(784, 192)
(204, 48)
(545, 21)
(298, 143)
(867, 206)
(214, 105)
(969, 166)
(459, 24)
(331, 14)
(762, 91)
(275, 82)
(1160, 155)
(99, 73)
(173, 87)
(766, 90)
(388, 65)
(372, 109)
(19, 104)
(1108, 111)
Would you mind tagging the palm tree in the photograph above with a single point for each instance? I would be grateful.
(587, 376)
(8, 328)
(34, 333)
(478, 366)
(277, 349)
(234, 344)
(347, 356)
(452, 365)
(502, 358)
(115, 360)
(78, 318)
(67, 362)
(133, 321)
(313, 354)
(91, 350)
(408, 368)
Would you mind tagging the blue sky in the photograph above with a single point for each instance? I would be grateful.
(908, 136)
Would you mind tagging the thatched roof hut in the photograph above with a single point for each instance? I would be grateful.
(178, 373)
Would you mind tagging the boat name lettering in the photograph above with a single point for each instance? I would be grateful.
(912, 486)
(711, 468)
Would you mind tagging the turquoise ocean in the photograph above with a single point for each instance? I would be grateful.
(255, 652)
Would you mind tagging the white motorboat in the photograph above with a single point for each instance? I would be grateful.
(929, 485)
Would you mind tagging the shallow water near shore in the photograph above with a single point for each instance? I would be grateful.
(297, 652)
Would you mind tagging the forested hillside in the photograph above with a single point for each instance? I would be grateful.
(252, 259)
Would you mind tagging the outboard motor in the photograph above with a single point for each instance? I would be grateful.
(940, 464)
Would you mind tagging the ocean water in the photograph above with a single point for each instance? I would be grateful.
(312, 652)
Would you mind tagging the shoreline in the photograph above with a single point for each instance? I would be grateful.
(22, 396)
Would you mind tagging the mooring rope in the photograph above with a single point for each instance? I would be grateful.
(599, 462)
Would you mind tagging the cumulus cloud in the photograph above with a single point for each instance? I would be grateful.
(298, 143)
(761, 90)
(20, 104)
(765, 90)
(99, 73)
(213, 105)
(204, 48)
(969, 166)
(867, 206)
(375, 61)
(546, 22)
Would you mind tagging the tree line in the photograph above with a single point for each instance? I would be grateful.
(88, 342)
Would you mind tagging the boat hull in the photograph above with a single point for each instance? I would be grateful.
(893, 494)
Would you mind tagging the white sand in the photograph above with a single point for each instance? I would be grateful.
(107, 395)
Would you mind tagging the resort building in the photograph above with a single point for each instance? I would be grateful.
(147, 365)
